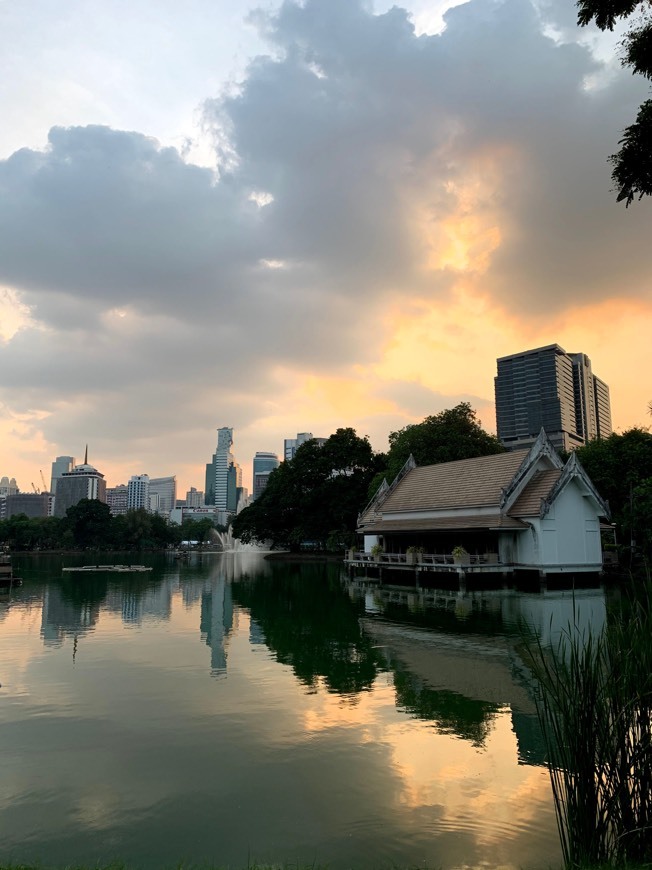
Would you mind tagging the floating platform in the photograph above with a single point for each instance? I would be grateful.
(115, 569)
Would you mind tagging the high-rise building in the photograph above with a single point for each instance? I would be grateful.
(223, 474)
(592, 405)
(61, 465)
(32, 504)
(116, 498)
(263, 465)
(83, 481)
(548, 388)
(8, 487)
(163, 491)
(194, 498)
(291, 445)
(138, 492)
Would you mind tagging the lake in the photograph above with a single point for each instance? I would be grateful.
(234, 710)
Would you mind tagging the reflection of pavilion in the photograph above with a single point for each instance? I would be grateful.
(63, 618)
(462, 680)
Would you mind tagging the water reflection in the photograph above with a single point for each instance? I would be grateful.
(357, 726)
(217, 622)
(308, 622)
(66, 615)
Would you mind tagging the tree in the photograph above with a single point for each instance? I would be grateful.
(315, 497)
(89, 521)
(445, 437)
(632, 165)
(620, 467)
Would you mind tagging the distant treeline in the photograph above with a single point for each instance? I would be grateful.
(89, 525)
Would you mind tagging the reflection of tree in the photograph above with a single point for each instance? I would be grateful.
(310, 623)
(88, 590)
(451, 712)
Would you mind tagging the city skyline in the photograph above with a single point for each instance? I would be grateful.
(346, 232)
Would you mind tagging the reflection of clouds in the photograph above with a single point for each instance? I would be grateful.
(368, 715)
(487, 792)
(130, 767)
(98, 809)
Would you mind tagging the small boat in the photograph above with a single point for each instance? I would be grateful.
(114, 569)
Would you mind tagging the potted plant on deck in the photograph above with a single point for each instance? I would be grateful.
(376, 552)
(461, 556)
(413, 555)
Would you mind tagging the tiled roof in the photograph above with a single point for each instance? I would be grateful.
(528, 504)
(492, 521)
(466, 483)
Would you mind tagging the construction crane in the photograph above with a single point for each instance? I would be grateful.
(45, 486)
(35, 489)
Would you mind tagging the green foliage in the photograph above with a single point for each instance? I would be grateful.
(620, 467)
(632, 165)
(314, 497)
(445, 437)
(595, 709)
(311, 625)
(195, 530)
(89, 525)
(89, 521)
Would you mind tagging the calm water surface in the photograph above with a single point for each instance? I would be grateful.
(236, 710)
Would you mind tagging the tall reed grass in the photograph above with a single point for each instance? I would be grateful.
(594, 704)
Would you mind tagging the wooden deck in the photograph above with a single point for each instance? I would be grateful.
(429, 562)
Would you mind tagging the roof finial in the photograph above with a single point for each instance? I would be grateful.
(86, 456)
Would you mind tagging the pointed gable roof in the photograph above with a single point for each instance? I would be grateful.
(574, 471)
(536, 491)
(477, 482)
(542, 456)
(496, 491)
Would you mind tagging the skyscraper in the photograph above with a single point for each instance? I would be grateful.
(263, 465)
(291, 445)
(61, 465)
(194, 498)
(83, 481)
(551, 389)
(223, 474)
(138, 492)
(165, 491)
(116, 498)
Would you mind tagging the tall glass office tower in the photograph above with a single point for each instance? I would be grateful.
(550, 389)
(223, 474)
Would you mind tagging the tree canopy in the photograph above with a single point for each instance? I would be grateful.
(314, 497)
(632, 165)
(89, 524)
(620, 466)
(445, 437)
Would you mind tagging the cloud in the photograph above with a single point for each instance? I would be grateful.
(369, 167)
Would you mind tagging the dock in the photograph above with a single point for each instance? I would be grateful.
(115, 569)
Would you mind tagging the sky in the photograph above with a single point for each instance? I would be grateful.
(294, 217)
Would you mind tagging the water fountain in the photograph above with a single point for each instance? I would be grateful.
(230, 544)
